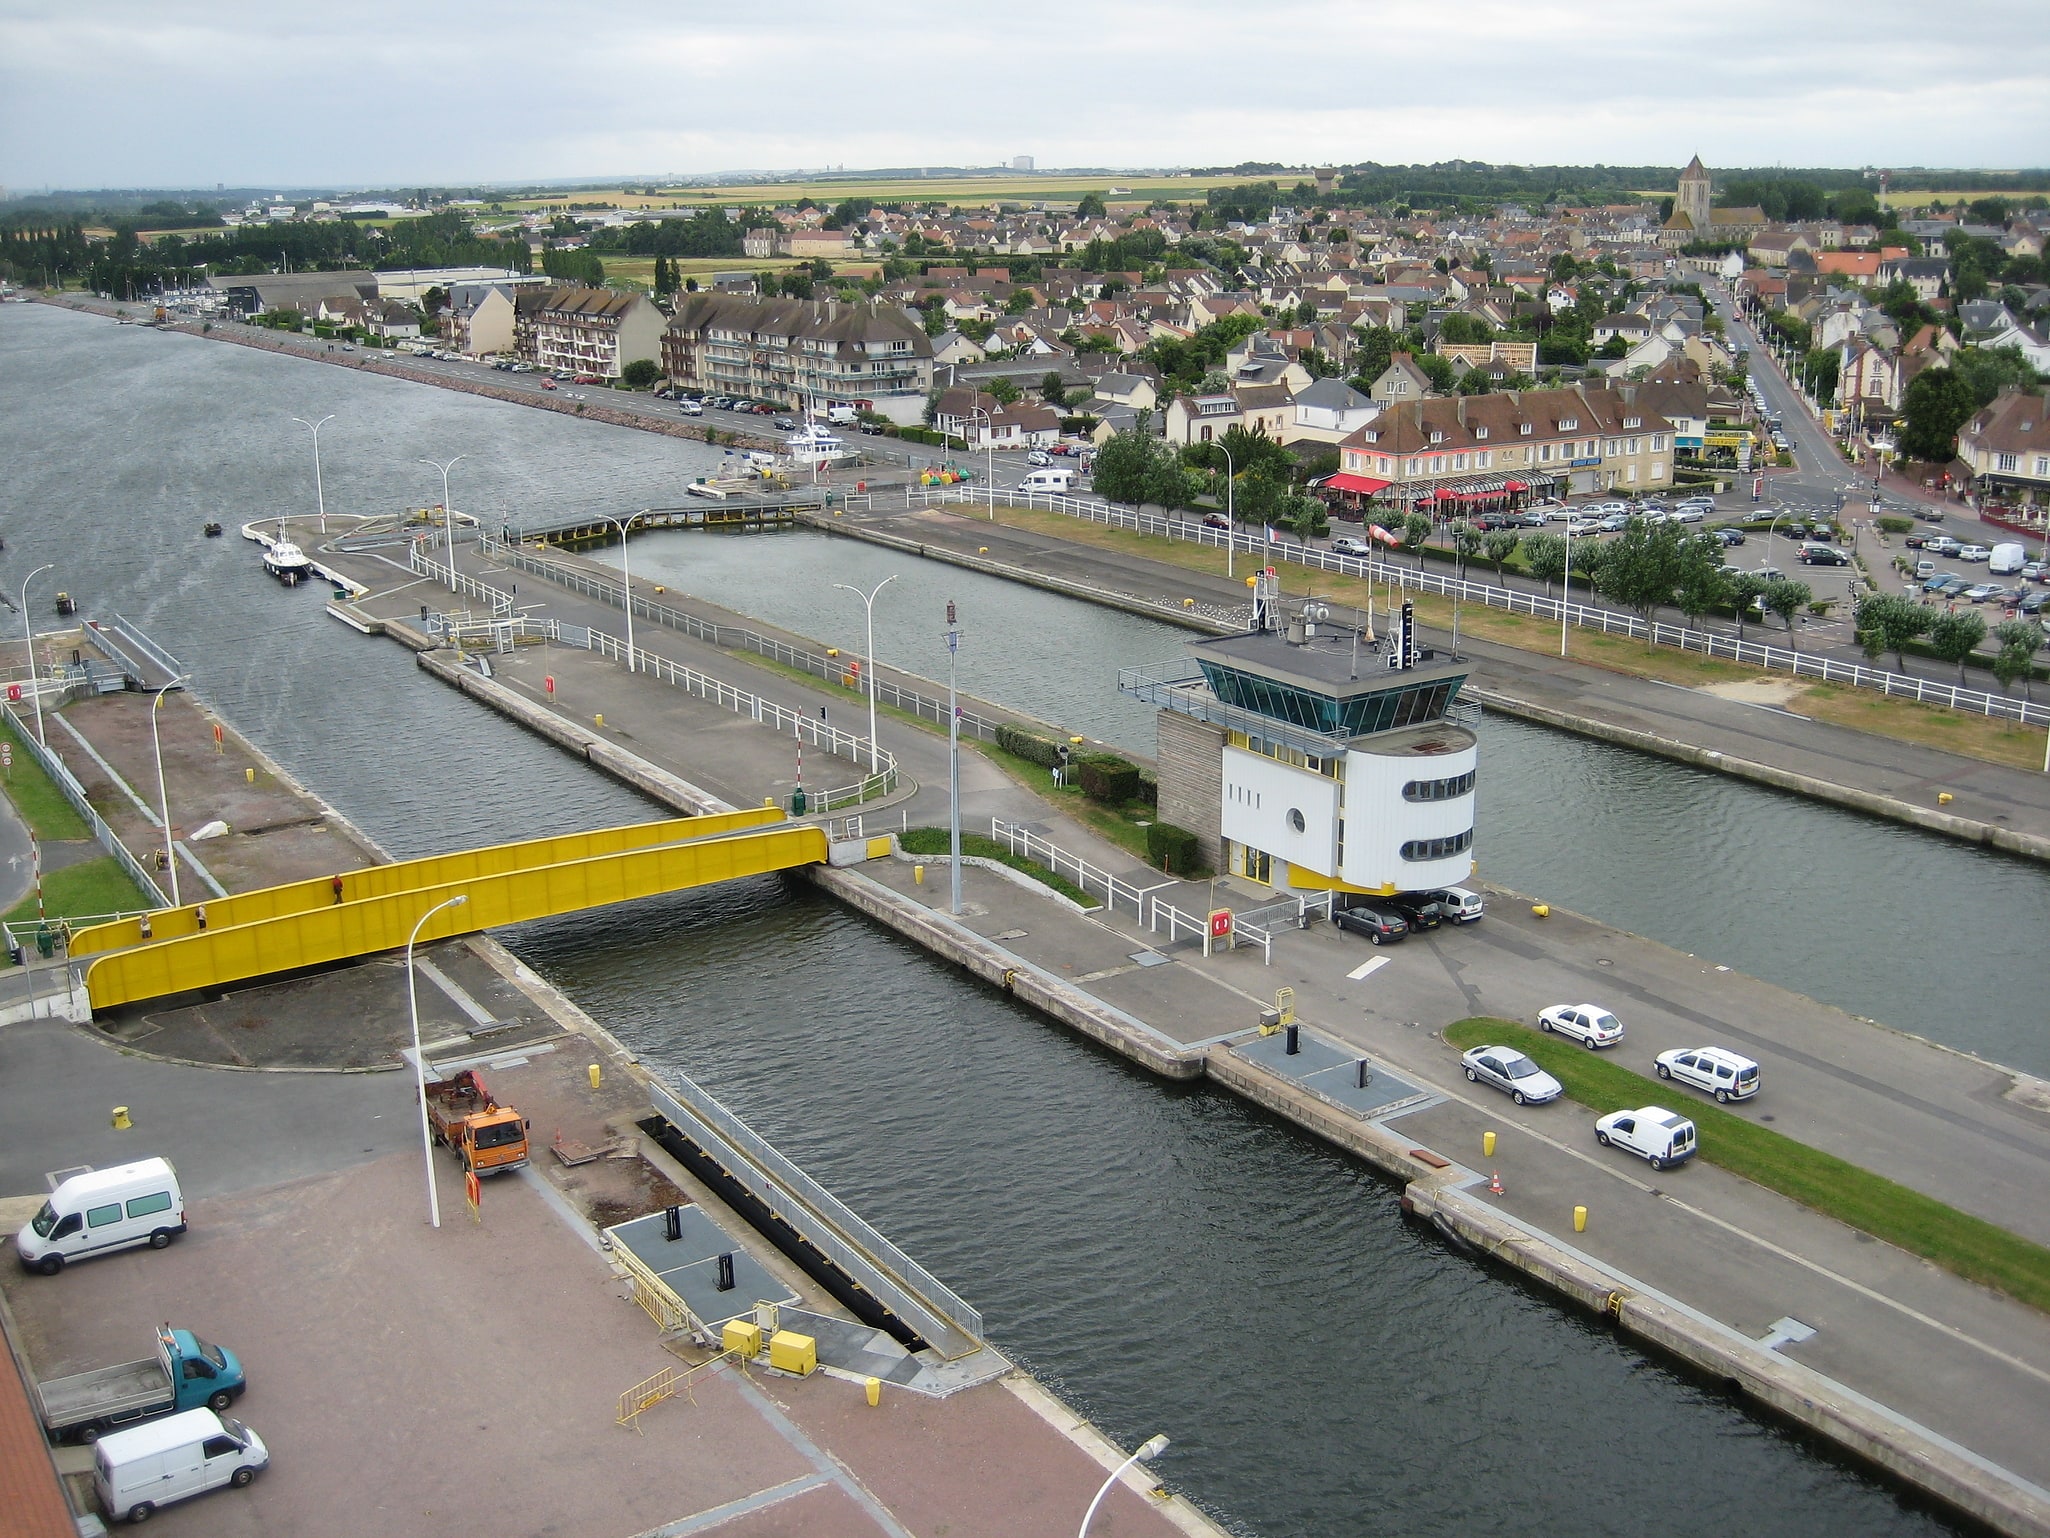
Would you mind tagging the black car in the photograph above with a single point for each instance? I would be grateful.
(1823, 555)
(1383, 926)
(1418, 911)
(1730, 536)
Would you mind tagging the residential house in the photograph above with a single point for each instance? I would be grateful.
(953, 347)
(1928, 276)
(479, 319)
(2007, 446)
(1402, 380)
(596, 331)
(1328, 411)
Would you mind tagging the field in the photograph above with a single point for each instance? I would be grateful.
(960, 191)
(639, 271)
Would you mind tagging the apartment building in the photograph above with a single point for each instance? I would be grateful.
(2007, 444)
(802, 352)
(596, 331)
(1488, 447)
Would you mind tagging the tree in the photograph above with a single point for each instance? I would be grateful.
(1545, 556)
(1002, 391)
(1954, 636)
(1744, 588)
(1786, 598)
(1886, 622)
(1988, 371)
(1439, 370)
(1125, 464)
(1091, 206)
(1819, 371)
(640, 374)
(1466, 542)
(1499, 545)
(1416, 528)
(1053, 391)
(1377, 346)
(2019, 640)
(1703, 587)
(1641, 568)
(1259, 496)
(1935, 405)
(1475, 381)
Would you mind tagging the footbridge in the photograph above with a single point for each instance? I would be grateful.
(301, 924)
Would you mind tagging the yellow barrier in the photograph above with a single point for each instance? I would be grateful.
(341, 931)
(410, 875)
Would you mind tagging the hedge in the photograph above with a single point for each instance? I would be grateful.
(1107, 778)
(923, 435)
(1030, 746)
(1173, 849)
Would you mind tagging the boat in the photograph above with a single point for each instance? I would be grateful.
(287, 562)
(212, 531)
(813, 445)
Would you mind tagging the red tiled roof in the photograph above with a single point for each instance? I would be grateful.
(29, 1492)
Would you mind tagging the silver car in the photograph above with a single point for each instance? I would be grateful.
(1511, 1072)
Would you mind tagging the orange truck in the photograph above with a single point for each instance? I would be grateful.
(465, 1117)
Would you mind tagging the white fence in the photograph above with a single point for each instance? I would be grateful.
(501, 602)
(1091, 878)
(68, 786)
(1586, 616)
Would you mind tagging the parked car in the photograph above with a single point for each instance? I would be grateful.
(1730, 537)
(1383, 926)
(1529, 520)
(135, 1472)
(97, 1212)
(1659, 1137)
(690, 408)
(1975, 553)
(784, 425)
(1039, 457)
(1419, 910)
(1943, 544)
(1943, 583)
(1823, 555)
(1589, 1024)
(1985, 591)
(1615, 523)
(1689, 514)
(1458, 904)
(2034, 602)
(1723, 1074)
(1512, 1073)
(1347, 544)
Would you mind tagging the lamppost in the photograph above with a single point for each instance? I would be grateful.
(1768, 536)
(448, 524)
(989, 442)
(1231, 525)
(1565, 587)
(319, 492)
(626, 580)
(420, 1058)
(868, 601)
(28, 633)
(163, 794)
(953, 759)
(1150, 1449)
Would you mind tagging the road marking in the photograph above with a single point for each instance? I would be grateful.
(1367, 969)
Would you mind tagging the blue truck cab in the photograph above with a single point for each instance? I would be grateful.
(185, 1374)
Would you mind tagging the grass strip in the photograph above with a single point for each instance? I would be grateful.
(36, 797)
(90, 888)
(1969, 1247)
(937, 841)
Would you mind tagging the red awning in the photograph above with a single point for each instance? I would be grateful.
(1514, 486)
(1365, 485)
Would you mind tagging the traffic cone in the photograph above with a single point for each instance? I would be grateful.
(1494, 1183)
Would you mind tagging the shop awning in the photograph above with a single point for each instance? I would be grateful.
(1362, 485)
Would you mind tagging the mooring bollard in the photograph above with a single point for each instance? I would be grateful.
(1487, 1145)
(1580, 1220)
(597, 1075)
(121, 1121)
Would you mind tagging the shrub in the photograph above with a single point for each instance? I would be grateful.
(923, 435)
(1107, 778)
(1892, 524)
(1173, 849)
(1149, 788)
(1030, 746)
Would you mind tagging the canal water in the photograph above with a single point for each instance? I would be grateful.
(1170, 1259)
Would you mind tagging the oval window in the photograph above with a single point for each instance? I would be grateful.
(1295, 819)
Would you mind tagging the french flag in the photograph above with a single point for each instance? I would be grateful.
(1270, 533)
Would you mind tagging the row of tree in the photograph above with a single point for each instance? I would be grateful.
(1889, 622)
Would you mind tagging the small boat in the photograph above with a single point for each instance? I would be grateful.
(66, 604)
(287, 562)
(814, 446)
(212, 531)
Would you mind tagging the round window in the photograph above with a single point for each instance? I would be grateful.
(1295, 819)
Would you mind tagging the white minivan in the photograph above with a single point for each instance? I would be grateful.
(1048, 480)
(99, 1211)
(1457, 903)
(137, 1471)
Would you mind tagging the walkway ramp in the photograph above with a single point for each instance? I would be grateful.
(411, 875)
(341, 931)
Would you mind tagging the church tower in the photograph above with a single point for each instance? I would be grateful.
(1693, 197)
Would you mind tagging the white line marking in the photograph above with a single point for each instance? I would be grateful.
(1367, 969)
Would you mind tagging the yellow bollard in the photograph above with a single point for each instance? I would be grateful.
(601, 718)
(1580, 1220)
(121, 1121)
(982, 550)
(875, 1391)
(660, 589)
(1542, 910)
(1944, 798)
(918, 875)
(249, 775)
(1188, 603)
(1487, 1145)
(597, 1075)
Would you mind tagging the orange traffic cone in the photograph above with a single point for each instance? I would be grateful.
(1494, 1183)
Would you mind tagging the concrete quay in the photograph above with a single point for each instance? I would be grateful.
(1938, 1381)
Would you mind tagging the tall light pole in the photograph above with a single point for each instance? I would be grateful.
(28, 632)
(1231, 524)
(1150, 1449)
(626, 581)
(868, 600)
(420, 1058)
(989, 443)
(163, 794)
(1768, 536)
(319, 492)
(1565, 587)
(953, 758)
(448, 524)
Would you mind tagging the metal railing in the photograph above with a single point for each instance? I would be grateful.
(1090, 878)
(1586, 616)
(68, 786)
(800, 724)
(856, 1247)
(1158, 907)
(501, 602)
(733, 637)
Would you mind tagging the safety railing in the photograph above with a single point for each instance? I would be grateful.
(1585, 616)
(1159, 908)
(420, 561)
(1091, 878)
(733, 637)
(68, 786)
(800, 724)
(658, 1301)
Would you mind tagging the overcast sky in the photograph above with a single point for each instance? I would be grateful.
(173, 93)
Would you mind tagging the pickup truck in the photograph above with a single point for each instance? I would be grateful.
(185, 1373)
(485, 1136)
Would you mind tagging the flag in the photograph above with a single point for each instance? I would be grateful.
(1270, 533)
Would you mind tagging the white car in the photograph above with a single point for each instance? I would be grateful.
(1723, 1074)
(1656, 1135)
(1347, 544)
(1689, 515)
(1039, 459)
(690, 408)
(1974, 553)
(1511, 1072)
(1589, 1024)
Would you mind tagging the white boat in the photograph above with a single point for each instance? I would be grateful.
(287, 562)
(813, 445)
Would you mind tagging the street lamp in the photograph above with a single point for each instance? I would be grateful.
(868, 601)
(419, 1057)
(1565, 587)
(1231, 526)
(1150, 1449)
(28, 632)
(1768, 536)
(448, 520)
(989, 443)
(164, 795)
(320, 494)
(626, 581)
(953, 761)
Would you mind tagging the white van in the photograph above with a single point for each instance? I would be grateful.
(2006, 560)
(1048, 480)
(101, 1211)
(842, 416)
(1459, 905)
(137, 1471)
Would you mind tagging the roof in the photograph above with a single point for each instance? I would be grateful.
(121, 1175)
(1332, 394)
(29, 1491)
(162, 1436)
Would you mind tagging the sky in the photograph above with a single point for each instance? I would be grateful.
(253, 93)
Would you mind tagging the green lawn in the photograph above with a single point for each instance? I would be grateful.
(36, 797)
(1971, 1247)
(937, 841)
(90, 888)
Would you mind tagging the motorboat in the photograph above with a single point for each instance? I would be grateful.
(212, 530)
(813, 445)
(287, 562)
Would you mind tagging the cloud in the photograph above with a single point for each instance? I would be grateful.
(129, 93)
